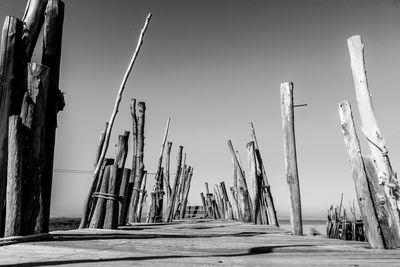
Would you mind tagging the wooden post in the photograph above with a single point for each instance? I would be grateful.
(370, 128)
(266, 186)
(139, 164)
(97, 220)
(14, 177)
(243, 193)
(203, 201)
(235, 209)
(186, 193)
(123, 192)
(171, 203)
(34, 117)
(128, 200)
(365, 203)
(11, 94)
(33, 20)
(167, 172)
(289, 145)
(142, 196)
(100, 145)
(255, 182)
(113, 115)
(228, 203)
(51, 55)
(383, 209)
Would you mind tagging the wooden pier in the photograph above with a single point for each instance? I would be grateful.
(191, 242)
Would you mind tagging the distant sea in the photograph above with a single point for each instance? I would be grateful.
(318, 224)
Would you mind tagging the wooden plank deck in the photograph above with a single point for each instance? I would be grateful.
(197, 242)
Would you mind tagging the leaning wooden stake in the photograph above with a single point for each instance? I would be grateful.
(255, 183)
(267, 188)
(376, 142)
(365, 202)
(142, 196)
(243, 193)
(170, 209)
(289, 145)
(113, 115)
(167, 172)
(14, 177)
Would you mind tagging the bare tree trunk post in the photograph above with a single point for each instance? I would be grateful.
(203, 201)
(289, 145)
(100, 145)
(97, 220)
(167, 172)
(243, 193)
(186, 193)
(113, 115)
(51, 56)
(365, 203)
(142, 196)
(128, 200)
(11, 95)
(370, 128)
(14, 177)
(170, 209)
(267, 188)
(139, 164)
(255, 182)
(123, 192)
(33, 19)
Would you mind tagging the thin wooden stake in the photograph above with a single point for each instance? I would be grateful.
(113, 115)
(289, 145)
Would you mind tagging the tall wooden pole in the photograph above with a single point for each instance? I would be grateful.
(365, 203)
(142, 196)
(11, 94)
(170, 209)
(113, 115)
(289, 145)
(255, 183)
(167, 171)
(140, 163)
(370, 128)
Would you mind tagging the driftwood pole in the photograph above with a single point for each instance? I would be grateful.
(99, 212)
(139, 164)
(167, 172)
(170, 209)
(289, 145)
(100, 145)
(113, 115)
(14, 177)
(255, 183)
(370, 128)
(267, 188)
(243, 193)
(365, 203)
(11, 94)
(142, 197)
(123, 192)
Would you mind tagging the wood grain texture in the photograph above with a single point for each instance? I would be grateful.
(170, 208)
(289, 147)
(14, 176)
(97, 220)
(363, 192)
(11, 94)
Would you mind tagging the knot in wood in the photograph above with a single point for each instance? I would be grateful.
(381, 200)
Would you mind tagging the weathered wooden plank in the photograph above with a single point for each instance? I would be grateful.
(14, 177)
(365, 203)
(289, 145)
(370, 128)
(11, 94)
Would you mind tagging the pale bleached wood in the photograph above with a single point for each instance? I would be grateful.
(114, 114)
(383, 209)
(370, 128)
(289, 145)
(186, 193)
(219, 201)
(167, 172)
(11, 83)
(142, 196)
(100, 145)
(33, 19)
(365, 202)
(243, 193)
(254, 182)
(171, 203)
(14, 177)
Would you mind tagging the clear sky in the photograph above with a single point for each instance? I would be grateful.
(214, 66)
